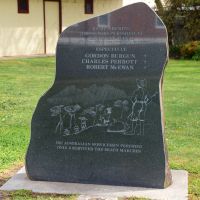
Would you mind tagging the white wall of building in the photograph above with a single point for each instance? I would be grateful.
(76, 12)
(23, 34)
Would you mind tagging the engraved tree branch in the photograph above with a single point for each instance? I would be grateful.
(57, 111)
(71, 110)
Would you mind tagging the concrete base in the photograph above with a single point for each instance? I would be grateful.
(177, 191)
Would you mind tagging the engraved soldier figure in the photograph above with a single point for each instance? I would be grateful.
(140, 101)
(137, 115)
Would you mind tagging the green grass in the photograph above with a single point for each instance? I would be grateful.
(23, 81)
(28, 195)
(21, 84)
(182, 113)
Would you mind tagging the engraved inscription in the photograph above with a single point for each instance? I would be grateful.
(98, 147)
(109, 59)
(122, 33)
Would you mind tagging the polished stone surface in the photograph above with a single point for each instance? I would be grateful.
(102, 120)
(177, 191)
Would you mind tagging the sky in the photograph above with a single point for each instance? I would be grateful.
(151, 3)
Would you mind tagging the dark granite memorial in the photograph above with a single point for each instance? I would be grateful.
(102, 121)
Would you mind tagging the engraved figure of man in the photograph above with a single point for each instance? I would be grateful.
(140, 101)
(139, 104)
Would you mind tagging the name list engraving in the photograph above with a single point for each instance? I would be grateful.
(109, 58)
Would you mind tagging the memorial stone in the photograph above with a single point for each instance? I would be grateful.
(102, 121)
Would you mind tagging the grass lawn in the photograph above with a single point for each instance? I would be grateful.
(23, 81)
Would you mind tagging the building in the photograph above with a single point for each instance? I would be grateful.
(31, 27)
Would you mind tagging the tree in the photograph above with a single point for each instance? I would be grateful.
(159, 7)
(125, 108)
(57, 111)
(99, 112)
(91, 112)
(181, 15)
(71, 110)
(123, 105)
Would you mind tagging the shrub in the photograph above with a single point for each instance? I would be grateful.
(175, 51)
(190, 49)
(197, 54)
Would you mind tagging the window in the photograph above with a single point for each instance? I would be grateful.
(23, 6)
(103, 20)
(89, 6)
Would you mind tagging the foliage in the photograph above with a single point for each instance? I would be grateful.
(196, 56)
(190, 49)
(182, 17)
(159, 6)
(175, 51)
